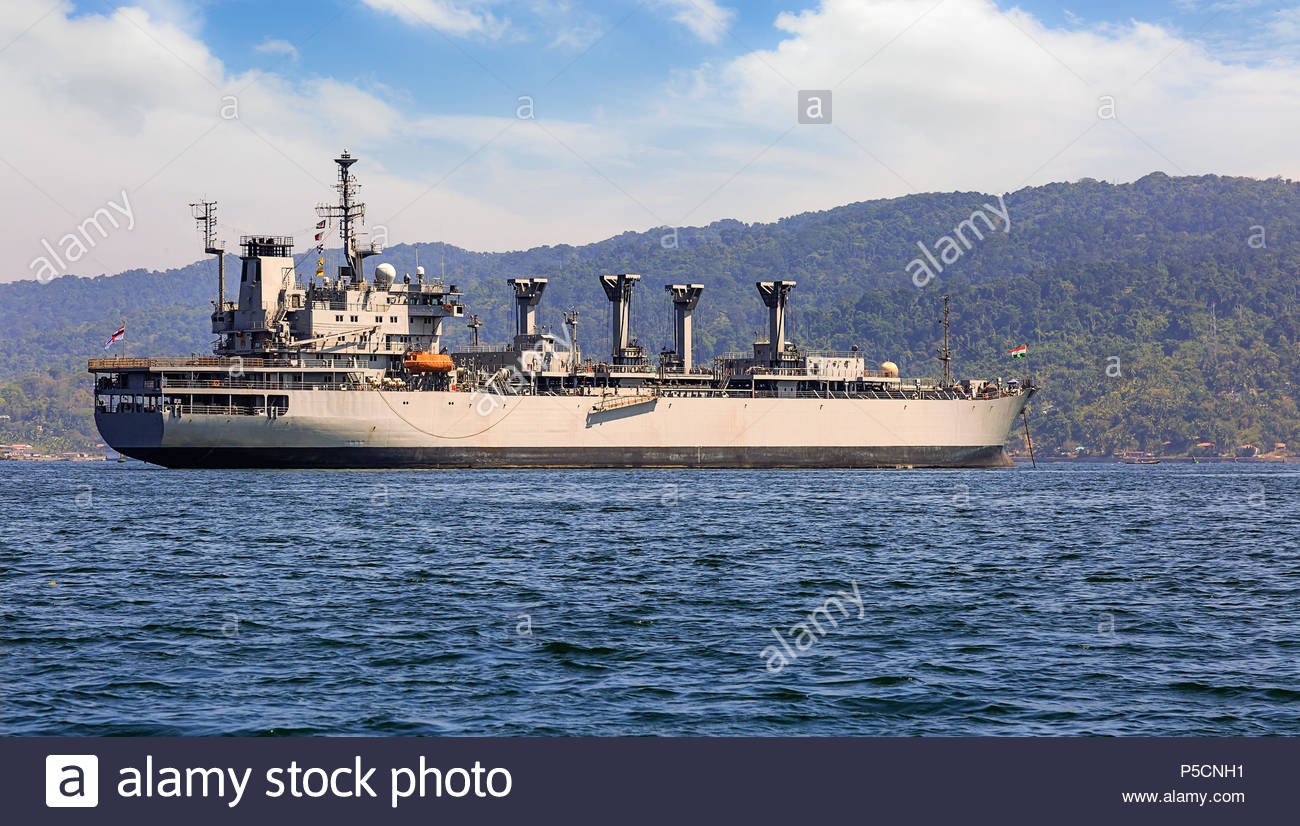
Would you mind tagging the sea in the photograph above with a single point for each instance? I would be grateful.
(1090, 599)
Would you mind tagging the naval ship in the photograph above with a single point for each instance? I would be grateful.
(349, 371)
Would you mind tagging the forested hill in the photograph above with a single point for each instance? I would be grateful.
(1159, 311)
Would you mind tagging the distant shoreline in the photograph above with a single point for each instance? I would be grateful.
(1186, 460)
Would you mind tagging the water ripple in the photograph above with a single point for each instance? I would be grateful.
(1094, 599)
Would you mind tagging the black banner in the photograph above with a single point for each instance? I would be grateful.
(648, 780)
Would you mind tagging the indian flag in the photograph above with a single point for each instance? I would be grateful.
(1019, 352)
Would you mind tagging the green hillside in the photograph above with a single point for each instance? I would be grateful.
(1189, 283)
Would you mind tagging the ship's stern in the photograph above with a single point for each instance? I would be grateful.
(129, 408)
(137, 434)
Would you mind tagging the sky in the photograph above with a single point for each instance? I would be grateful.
(498, 125)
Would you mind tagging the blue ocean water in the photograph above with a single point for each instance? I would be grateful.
(1090, 599)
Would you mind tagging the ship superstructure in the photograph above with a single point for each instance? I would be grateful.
(369, 322)
(342, 370)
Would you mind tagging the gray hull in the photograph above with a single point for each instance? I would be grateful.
(986, 456)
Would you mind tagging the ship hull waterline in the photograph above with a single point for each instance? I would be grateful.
(372, 430)
(379, 458)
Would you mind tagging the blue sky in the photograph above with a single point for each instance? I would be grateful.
(603, 50)
(642, 114)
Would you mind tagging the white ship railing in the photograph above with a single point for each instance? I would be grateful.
(482, 348)
(233, 364)
(262, 385)
(205, 362)
(833, 354)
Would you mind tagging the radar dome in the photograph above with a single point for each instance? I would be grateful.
(419, 271)
(384, 275)
(889, 369)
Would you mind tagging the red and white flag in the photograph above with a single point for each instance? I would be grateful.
(120, 333)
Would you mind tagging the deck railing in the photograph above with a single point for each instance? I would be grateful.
(243, 384)
(111, 365)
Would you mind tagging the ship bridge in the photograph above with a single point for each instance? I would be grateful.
(344, 317)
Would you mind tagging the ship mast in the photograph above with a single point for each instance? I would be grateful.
(571, 321)
(350, 214)
(205, 214)
(945, 352)
(474, 324)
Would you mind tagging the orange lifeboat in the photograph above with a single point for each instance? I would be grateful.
(422, 361)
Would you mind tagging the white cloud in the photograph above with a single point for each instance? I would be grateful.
(1285, 24)
(961, 96)
(123, 101)
(443, 15)
(184, 14)
(567, 25)
(706, 19)
(967, 96)
(280, 47)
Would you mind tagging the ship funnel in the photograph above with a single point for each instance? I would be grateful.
(618, 289)
(685, 297)
(528, 291)
(774, 295)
